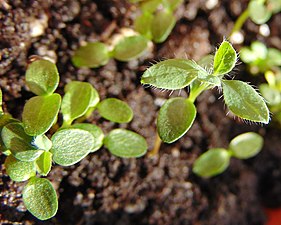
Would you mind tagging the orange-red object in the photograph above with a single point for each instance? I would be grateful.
(274, 216)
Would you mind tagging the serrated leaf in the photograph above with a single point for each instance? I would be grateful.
(19, 143)
(130, 47)
(225, 59)
(125, 143)
(42, 77)
(246, 145)
(18, 170)
(243, 101)
(91, 55)
(78, 98)
(175, 118)
(40, 113)
(96, 133)
(115, 110)
(258, 12)
(162, 25)
(71, 145)
(171, 74)
(211, 163)
(44, 163)
(40, 198)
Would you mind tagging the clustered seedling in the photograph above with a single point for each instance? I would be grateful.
(29, 150)
(216, 160)
(177, 115)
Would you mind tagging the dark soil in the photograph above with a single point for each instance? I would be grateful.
(103, 189)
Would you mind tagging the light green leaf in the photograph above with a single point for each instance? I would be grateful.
(40, 113)
(44, 163)
(162, 25)
(150, 6)
(171, 74)
(77, 100)
(271, 95)
(274, 6)
(247, 55)
(125, 143)
(259, 49)
(42, 142)
(71, 145)
(40, 198)
(130, 47)
(42, 77)
(211, 163)
(19, 143)
(18, 170)
(175, 118)
(95, 131)
(258, 12)
(143, 25)
(274, 57)
(92, 55)
(225, 59)
(244, 101)
(115, 110)
(246, 145)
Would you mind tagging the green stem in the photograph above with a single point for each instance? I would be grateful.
(240, 21)
(156, 147)
(196, 92)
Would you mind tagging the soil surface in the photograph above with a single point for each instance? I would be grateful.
(103, 189)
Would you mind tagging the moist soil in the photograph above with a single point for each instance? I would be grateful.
(159, 189)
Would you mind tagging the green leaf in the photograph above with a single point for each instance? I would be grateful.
(96, 133)
(42, 142)
(77, 100)
(173, 4)
(40, 198)
(244, 101)
(212, 162)
(143, 24)
(92, 55)
(115, 110)
(42, 77)
(40, 113)
(274, 57)
(258, 12)
(19, 143)
(246, 145)
(247, 55)
(18, 170)
(162, 25)
(150, 6)
(271, 95)
(259, 49)
(71, 145)
(225, 59)
(130, 47)
(175, 118)
(44, 163)
(274, 6)
(171, 74)
(125, 143)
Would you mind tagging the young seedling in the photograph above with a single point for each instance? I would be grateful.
(216, 160)
(30, 152)
(177, 115)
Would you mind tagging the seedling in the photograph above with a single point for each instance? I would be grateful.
(29, 150)
(177, 115)
(216, 160)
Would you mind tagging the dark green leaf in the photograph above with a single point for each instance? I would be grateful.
(44, 163)
(18, 170)
(258, 12)
(115, 110)
(125, 143)
(244, 101)
(40, 198)
(71, 145)
(212, 162)
(42, 77)
(175, 118)
(91, 55)
(40, 113)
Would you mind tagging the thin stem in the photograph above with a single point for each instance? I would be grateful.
(156, 147)
(240, 21)
(194, 94)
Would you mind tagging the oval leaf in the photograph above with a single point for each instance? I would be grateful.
(40, 198)
(258, 12)
(91, 55)
(19, 170)
(246, 145)
(44, 163)
(143, 24)
(125, 144)
(42, 77)
(40, 113)
(225, 59)
(212, 162)
(175, 118)
(244, 101)
(171, 74)
(71, 145)
(115, 110)
(95, 131)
